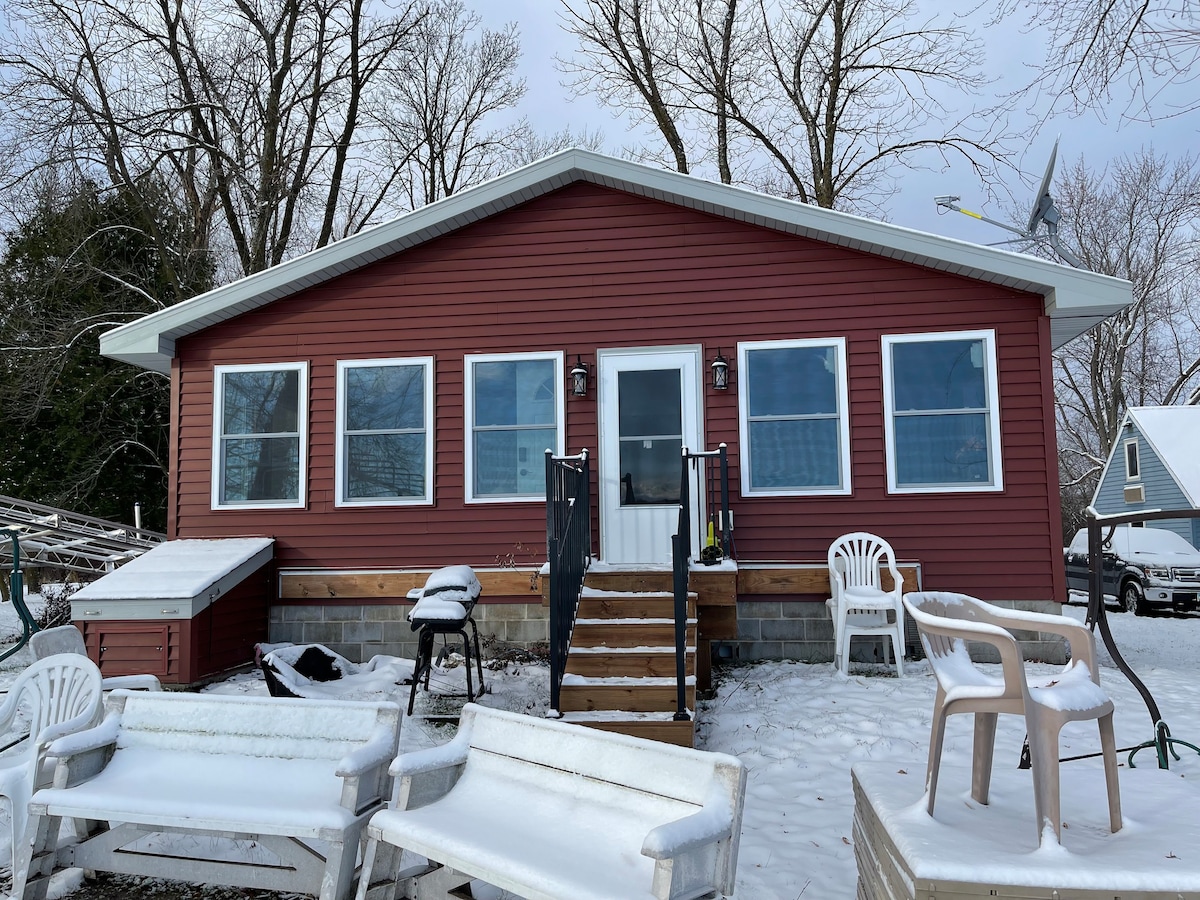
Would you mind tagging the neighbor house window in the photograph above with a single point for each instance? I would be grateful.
(795, 429)
(384, 449)
(514, 414)
(942, 412)
(1132, 467)
(259, 440)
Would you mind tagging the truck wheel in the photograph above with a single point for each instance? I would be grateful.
(1133, 600)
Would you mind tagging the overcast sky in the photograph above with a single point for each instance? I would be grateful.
(549, 106)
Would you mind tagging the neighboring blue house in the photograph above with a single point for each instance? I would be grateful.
(1155, 464)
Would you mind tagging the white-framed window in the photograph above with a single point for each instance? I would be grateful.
(942, 412)
(514, 413)
(794, 417)
(384, 450)
(260, 436)
(1132, 460)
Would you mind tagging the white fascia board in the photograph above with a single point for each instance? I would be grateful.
(1076, 297)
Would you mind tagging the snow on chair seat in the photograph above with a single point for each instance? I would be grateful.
(298, 777)
(550, 810)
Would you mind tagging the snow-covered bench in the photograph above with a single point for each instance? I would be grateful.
(299, 778)
(549, 810)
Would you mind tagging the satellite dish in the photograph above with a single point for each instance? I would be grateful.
(1043, 203)
(1044, 212)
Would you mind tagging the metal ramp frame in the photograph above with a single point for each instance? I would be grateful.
(62, 539)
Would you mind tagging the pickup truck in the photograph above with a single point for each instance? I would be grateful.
(1143, 568)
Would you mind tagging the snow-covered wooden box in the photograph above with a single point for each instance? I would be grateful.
(184, 611)
(967, 851)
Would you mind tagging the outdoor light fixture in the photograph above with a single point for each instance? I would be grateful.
(579, 377)
(720, 370)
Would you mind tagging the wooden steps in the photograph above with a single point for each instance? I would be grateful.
(621, 668)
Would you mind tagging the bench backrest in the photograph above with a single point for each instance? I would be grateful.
(678, 773)
(249, 726)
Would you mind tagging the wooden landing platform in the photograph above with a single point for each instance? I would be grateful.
(971, 851)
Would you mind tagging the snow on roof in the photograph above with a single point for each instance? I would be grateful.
(179, 570)
(1174, 432)
(1075, 299)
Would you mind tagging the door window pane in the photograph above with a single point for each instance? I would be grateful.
(650, 433)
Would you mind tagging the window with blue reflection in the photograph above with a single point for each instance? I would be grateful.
(793, 407)
(941, 410)
(514, 421)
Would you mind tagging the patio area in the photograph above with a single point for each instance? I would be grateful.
(801, 728)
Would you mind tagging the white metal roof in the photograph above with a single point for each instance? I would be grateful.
(1075, 299)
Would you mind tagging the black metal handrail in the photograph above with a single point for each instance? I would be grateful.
(681, 545)
(1098, 615)
(712, 484)
(569, 552)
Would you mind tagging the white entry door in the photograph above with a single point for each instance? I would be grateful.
(650, 408)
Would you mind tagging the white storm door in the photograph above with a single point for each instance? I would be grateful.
(650, 408)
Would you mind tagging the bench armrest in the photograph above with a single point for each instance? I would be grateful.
(131, 683)
(84, 754)
(671, 839)
(93, 738)
(452, 753)
(374, 754)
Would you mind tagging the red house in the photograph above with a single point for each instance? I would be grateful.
(381, 406)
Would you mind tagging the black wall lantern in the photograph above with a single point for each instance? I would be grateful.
(579, 377)
(720, 372)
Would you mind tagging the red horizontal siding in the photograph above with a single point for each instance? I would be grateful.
(586, 268)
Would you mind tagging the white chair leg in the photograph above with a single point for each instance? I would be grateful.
(981, 757)
(1108, 744)
(936, 736)
(1043, 754)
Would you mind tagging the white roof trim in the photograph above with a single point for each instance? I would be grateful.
(1075, 299)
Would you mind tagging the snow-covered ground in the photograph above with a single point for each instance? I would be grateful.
(800, 728)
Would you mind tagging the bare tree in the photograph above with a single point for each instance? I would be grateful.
(437, 110)
(1139, 221)
(826, 99)
(1133, 50)
(251, 111)
(626, 59)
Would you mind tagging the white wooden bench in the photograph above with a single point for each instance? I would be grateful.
(549, 810)
(299, 778)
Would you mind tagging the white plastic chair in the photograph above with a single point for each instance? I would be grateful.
(58, 695)
(947, 622)
(859, 604)
(69, 639)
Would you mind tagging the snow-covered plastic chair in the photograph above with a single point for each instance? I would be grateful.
(444, 606)
(859, 604)
(58, 695)
(947, 624)
(69, 639)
